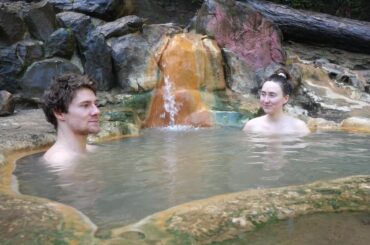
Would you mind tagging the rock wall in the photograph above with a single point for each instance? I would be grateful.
(103, 39)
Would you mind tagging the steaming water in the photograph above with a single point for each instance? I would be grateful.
(127, 180)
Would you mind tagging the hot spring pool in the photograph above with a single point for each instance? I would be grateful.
(127, 180)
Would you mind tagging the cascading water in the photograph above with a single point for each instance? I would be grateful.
(169, 101)
(188, 65)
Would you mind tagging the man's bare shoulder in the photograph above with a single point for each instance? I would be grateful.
(58, 156)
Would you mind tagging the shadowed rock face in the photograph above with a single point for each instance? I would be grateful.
(12, 28)
(39, 75)
(164, 11)
(187, 63)
(106, 9)
(6, 103)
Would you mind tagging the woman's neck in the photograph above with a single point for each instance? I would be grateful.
(276, 116)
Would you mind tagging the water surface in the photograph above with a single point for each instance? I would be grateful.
(124, 181)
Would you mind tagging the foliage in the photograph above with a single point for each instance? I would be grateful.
(355, 9)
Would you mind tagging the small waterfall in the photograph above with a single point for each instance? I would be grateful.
(189, 65)
(169, 101)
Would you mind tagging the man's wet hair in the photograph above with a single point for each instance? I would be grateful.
(61, 92)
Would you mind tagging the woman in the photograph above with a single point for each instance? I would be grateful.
(274, 95)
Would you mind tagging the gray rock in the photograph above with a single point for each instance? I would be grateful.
(9, 83)
(29, 51)
(164, 11)
(11, 25)
(135, 65)
(13, 60)
(26, 129)
(105, 9)
(40, 20)
(263, 73)
(121, 26)
(98, 62)
(10, 62)
(239, 76)
(6, 103)
(39, 75)
(80, 25)
(60, 43)
(154, 33)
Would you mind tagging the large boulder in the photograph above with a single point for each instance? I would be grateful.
(39, 75)
(105, 9)
(10, 66)
(239, 75)
(95, 53)
(9, 83)
(6, 103)
(98, 61)
(14, 59)
(135, 65)
(29, 51)
(80, 25)
(60, 43)
(154, 34)
(165, 11)
(12, 27)
(40, 20)
(188, 63)
(121, 26)
(242, 30)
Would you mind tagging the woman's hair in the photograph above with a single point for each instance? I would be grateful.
(282, 77)
(61, 92)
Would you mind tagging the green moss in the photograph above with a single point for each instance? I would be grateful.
(335, 204)
(137, 101)
(121, 116)
(318, 205)
(176, 237)
(302, 192)
(329, 191)
(181, 238)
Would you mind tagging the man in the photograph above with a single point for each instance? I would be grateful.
(70, 105)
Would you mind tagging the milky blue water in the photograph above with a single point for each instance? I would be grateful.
(126, 180)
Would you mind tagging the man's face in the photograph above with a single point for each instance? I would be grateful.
(83, 114)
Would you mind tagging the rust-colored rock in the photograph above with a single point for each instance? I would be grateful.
(188, 63)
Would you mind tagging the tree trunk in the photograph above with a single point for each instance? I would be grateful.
(312, 27)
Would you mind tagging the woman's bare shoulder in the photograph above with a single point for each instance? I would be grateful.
(252, 124)
(300, 126)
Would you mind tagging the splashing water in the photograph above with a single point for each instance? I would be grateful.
(169, 100)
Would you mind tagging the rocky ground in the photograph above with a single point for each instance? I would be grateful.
(25, 129)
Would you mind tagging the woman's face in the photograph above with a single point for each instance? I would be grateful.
(272, 98)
